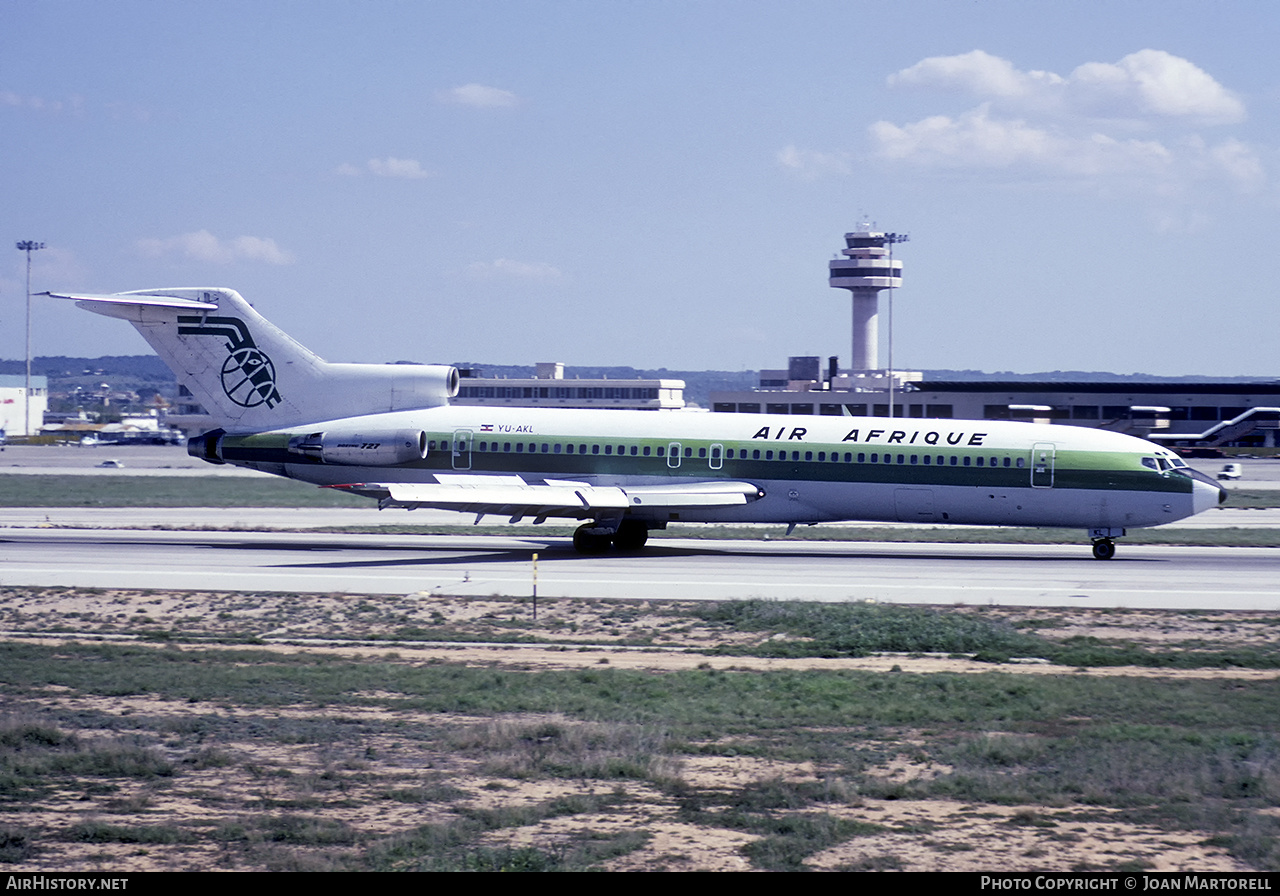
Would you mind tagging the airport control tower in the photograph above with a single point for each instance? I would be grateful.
(867, 268)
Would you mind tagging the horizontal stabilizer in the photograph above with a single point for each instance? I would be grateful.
(141, 299)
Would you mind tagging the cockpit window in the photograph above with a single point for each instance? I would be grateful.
(1150, 462)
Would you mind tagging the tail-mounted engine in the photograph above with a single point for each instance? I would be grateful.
(365, 449)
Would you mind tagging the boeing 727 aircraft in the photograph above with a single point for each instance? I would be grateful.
(388, 432)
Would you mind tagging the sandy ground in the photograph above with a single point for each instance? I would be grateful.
(909, 834)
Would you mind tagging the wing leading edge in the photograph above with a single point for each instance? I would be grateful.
(511, 496)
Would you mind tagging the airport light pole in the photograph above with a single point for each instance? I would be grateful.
(28, 246)
(892, 238)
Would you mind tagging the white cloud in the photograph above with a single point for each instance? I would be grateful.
(1153, 82)
(1240, 163)
(204, 246)
(810, 164)
(1142, 85)
(1182, 222)
(1078, 126)
(479, 96)
(515, 270)
(976, 72)
(410, 169)
(976, 140)
(74, 104)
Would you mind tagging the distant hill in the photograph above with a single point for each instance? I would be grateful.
(143, 367)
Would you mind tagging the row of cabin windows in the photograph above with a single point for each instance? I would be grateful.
(740, 454)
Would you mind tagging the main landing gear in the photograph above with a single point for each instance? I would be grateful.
(1104, 546)
(595, 538)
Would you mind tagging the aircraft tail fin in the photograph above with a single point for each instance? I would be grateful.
(250, 375)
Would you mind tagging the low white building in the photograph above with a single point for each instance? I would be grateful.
(14, 412)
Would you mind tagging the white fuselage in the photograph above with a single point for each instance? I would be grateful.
(810, 469)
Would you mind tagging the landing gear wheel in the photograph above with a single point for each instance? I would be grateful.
(631, 535)
(587, 542)
(1104, 549)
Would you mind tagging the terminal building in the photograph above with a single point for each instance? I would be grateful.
(1205, 414)
(549, 389)
(1183, 414)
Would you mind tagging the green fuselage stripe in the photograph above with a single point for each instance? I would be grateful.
(1071, 469)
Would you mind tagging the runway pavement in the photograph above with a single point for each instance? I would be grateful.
(1020, 575)
(50, 547)
(132, 460)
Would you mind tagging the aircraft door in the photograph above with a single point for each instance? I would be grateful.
(716, 460)
(914, 505)
(1042, 456)
(462, 449)
(673, 455)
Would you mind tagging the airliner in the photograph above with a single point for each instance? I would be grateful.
(389, 432)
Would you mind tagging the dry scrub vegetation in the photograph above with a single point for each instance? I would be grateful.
(160, 730)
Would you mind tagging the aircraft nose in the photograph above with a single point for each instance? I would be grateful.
(1206, 493)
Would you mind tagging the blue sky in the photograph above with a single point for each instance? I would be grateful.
(1086, 185)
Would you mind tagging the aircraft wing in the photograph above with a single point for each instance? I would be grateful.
(513, 497)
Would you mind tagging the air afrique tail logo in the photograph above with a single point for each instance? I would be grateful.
(248, 376)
